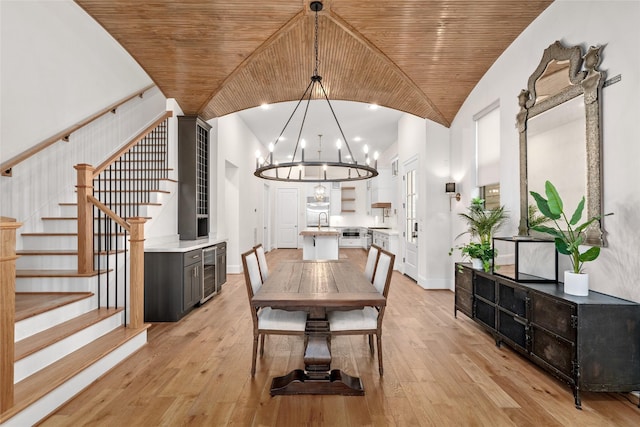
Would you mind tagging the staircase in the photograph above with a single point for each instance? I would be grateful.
(69, 327)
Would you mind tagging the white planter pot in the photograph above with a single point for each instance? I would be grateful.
(576, 284)
(476, 263)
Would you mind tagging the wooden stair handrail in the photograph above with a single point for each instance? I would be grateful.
(8, 227)
(111, 214)
(135, 228)
(65, 134)
(131, 143)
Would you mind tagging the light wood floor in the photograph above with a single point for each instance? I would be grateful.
(439, 371)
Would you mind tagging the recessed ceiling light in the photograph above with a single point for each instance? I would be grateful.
(357, 139)
(348, 156)
(265, 106)
(373, 106)
(281, 138)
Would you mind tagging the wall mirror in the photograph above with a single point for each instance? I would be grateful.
(560, 138)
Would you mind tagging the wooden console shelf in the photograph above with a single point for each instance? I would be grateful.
(591, 343)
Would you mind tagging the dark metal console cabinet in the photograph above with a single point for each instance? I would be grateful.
(193, 177)
(592, 342)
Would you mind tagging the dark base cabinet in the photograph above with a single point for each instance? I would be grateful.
(592, 342)
(172, 284)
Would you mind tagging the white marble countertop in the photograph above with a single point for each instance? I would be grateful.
(315, 231)
(183, 245)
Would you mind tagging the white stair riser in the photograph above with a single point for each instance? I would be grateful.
(52, 401)
(119, 197)
(145, 155)
(71, 225)
(40, 322)
(160, 184)
(42, 242)
(41, 359)
(149, 175)
(56, 284)
(56, 262)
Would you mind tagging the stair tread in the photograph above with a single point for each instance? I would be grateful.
(35, 252)
(29, 304)
(37, 342)
(56, 273)
(60, 234)
(74, 218)
(33, 388)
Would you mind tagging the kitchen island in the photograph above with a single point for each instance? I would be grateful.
(319, 243)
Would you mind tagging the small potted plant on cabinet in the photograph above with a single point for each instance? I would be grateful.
(568, 236)
(481, 225)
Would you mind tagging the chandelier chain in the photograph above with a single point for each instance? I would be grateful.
(315, 46)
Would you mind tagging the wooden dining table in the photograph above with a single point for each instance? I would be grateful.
(317, 287)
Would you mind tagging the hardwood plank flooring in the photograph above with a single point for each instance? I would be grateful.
(439, 371)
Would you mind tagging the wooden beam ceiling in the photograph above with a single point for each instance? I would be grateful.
(216, 57)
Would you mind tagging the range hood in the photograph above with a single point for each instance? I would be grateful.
(381, 205)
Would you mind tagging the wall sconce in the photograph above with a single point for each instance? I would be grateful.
(450, 189)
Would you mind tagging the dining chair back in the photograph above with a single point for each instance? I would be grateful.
(367, 320)
(262, 261)
(372, 261)
(267, 320)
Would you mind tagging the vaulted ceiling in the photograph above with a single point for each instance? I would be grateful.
(216, 57)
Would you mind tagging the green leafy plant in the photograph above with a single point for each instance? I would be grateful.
(481, 225)
(482, 251)
(568, 235)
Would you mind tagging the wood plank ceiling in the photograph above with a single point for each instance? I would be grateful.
(216, 57)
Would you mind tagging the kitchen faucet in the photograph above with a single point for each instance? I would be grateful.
(320, 218)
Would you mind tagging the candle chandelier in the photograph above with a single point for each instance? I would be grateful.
(299, 169)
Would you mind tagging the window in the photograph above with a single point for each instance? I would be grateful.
(491, 196)
(488, 145)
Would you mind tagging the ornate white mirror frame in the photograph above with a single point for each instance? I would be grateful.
(585, 82)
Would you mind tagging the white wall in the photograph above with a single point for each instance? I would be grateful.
(57, 67)
(609, 23)
(44, 180)
(239, 193)
(429, 143)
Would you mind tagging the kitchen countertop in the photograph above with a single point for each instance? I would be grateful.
(387, 231)
(183, 245)
(314, 231)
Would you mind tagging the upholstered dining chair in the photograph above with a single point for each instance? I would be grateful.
(372, 262)
(267, 320)
(368, 320)
(262, 262)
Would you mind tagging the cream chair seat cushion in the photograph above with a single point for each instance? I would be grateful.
(353, 320)
(281, 320)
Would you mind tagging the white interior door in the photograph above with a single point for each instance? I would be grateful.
(266, 220)
(287, 218)
(411, 219)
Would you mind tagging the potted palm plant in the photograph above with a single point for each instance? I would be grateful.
(481, 225)
(568, 236)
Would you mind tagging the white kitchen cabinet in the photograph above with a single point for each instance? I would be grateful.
(381, 187)
(389, 242)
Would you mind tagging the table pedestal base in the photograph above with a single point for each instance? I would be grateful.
(301, 382)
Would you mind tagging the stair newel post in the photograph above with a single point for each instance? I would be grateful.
(8, 227)
(85, 217)
(136, 281)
